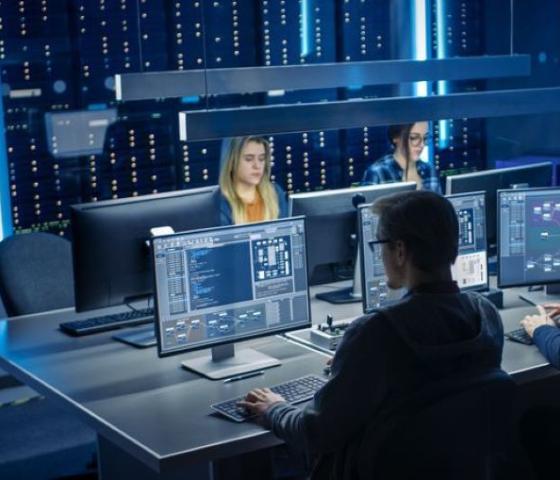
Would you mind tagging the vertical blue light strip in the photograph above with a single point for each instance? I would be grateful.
(441, 26)
(5, 211)
(420, 27)
(305, 28)
(420, 41)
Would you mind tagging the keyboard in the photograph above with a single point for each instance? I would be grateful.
(520, 336)
(108, 322)
(294, 391)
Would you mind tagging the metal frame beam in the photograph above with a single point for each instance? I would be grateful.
(268, 120)
(224, 81)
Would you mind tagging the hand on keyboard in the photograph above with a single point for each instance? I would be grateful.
(531, 322)
(257, 401)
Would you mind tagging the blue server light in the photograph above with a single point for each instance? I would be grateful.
(441, 27)
(305, 28)
(5, 216)
(420, 40)
(420, 24)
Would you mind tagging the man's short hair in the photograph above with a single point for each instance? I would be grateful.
(425, 222)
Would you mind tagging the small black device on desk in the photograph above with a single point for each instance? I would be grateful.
(294, 391)
(108, 322)
(138, 337)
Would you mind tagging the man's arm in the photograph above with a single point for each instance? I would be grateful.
(547, 340)
(345, 404)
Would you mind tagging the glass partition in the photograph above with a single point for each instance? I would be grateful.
(68, 140)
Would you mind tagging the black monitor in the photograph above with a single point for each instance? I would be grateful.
(490, 181)
(222, 285)
(528, 247)
(112, 265)
(470, 270)
(332, 231)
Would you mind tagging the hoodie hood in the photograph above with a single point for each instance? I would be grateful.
(444, 328)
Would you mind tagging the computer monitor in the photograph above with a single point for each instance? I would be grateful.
(470, 270)
(375, 291)
(490, 181)
(528, 248)
(332, 232)
(112, 264)
(222, 285)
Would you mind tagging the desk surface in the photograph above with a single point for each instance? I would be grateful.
(157, 411)
(517, 358)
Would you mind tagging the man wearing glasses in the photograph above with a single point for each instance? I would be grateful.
(433, 334)
(404, 164)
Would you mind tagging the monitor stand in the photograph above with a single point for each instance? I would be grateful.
(346, 295)
(225, 363)
(141, 337)
(493, 265)
(550, 294)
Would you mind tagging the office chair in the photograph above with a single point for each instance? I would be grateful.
(458, 429)
(540, 426)
(38, 439)
(35, 273)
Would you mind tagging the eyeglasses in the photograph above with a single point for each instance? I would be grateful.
(416, 139)
(372, 243)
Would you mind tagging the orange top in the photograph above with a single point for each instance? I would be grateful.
(254, 212)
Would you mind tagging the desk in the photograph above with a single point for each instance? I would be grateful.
(152, 416)
(525, 363)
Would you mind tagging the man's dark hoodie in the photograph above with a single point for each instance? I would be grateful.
(384, 359)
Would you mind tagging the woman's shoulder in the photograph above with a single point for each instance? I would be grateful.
(388, 159)
(427, 168)
(223, 208)
(282, 200)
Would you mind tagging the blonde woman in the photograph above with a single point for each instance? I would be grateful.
(246, 192)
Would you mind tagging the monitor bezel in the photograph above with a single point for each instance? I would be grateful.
(380, 190)
(84, 302)
(499, 258)
(345, 191)
(361, 246)
(495, 171)
(209, 346)
(485, 196)
(492, 175)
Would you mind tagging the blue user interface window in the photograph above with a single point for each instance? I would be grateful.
(529, 227)
(470, 270)
(230, 283)
(375, 291)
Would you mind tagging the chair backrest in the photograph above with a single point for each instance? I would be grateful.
(460, 429)
(36, 273)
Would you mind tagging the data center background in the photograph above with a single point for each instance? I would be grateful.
(68, 141)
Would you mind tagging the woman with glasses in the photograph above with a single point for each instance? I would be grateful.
(403, 164)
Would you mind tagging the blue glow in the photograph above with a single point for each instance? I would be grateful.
(420, 26)
(4, 331)
(420, 41)
(97, 106)
(442, 85)
(6, 228)
(191, 99)
(306, 28)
